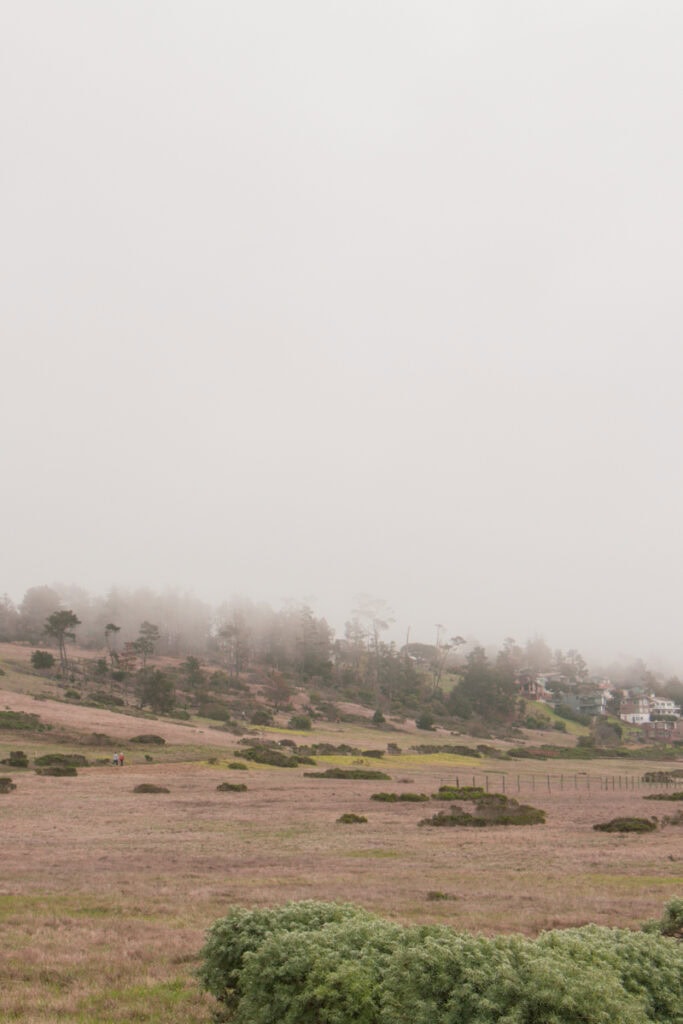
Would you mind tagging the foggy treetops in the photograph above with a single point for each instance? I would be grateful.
(180, 625)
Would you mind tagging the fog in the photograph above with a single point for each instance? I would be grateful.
(312, 299)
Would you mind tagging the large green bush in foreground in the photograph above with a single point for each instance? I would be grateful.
(324, 963)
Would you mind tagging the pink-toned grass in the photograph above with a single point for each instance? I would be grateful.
(105, 894)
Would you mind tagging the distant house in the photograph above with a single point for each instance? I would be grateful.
(636, 709)
(532, 687)
(664, 731)
(664, 706)
(591, 702)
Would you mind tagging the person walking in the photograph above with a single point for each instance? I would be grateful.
(115, 760)
(121, 759)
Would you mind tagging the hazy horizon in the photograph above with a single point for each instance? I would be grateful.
(308, 300)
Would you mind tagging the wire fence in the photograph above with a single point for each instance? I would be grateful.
(501, 782)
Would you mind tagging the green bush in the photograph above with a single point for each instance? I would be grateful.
(150, 787)
(55, 760)
(261, 717)
(242, 932)
(21, 720)
(58, 770)
(351, 819)
(231, 787)
(16, 759)
(150, 739)
(108, 699)
(459, 793)
(301, 722)
(72, 695)
(238, 766)
(671, 921)
(393, 798)
(42, 659)
(665, 796)
(657, 777)
(6, 784)
(490, 809)
(271, 756)
(317, 963)
(627, 825)
(347, 773)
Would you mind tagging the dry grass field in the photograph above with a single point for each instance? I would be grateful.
(105, 894)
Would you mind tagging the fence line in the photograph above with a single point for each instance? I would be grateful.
(502, 782)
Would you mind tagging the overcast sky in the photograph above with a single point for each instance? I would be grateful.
(306, 299)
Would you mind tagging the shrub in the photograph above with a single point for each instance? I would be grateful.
(149, 738)
(312, 962)
(243, 932)
(268, 755)
(21, 720)
(237, 766)
(657, 777)
(231, 787)
(426, 722)
(459, 793)
(58, 770)
(378, 718)
(109, 699)
(42, 659)
(347, 773)
(72, 695)
(392, 798)
(665, 796)
(16, 759)
(55, 760)
(6, 784)
(372, 753)
(351, 819)
(261, 717)
(149, 787)
(627, 825)
(301, 722)
(671, 921)
(490, 809)
(450, 748)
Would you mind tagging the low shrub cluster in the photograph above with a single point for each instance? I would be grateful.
(149, 739)
(310, 962)
(150, 787)
(347, 773)
(351, 819)
(446, 748)
(6, 784)
(21, 720)
(489, 809)
(59, 770)
(393, 798)
(627, 825)
(265, 754)
(665, 796)
(231, 787)
(459, 793)
(16, 759)
(57, 760)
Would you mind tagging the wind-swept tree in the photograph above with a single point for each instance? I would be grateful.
(111, 632)
(147, 640)
(60, 625)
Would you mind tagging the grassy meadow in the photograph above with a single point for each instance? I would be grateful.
(106, 894)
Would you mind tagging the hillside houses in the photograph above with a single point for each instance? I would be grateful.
(594, 697)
